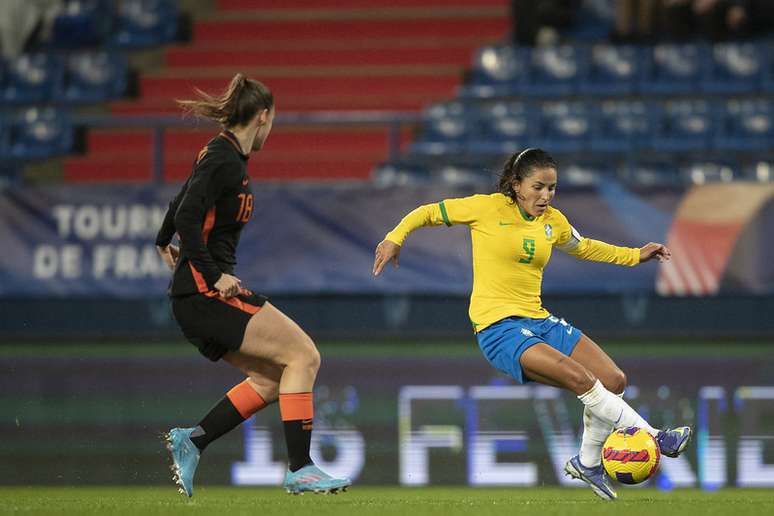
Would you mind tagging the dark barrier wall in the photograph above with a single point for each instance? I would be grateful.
(434, 413)
(400, 316)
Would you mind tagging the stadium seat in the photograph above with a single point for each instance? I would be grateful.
(505, 127)
(462, 176)
(498, 70)
(746, 124)
(707, 171)
(657, 172)
(579, 173)
(684, 125)
(622, 126)
(594, 21)
(82, 23)
(4, 138)
(556, 70)
(145, 23)
(41, 132)
(673, 69)
(734, 68)
(564, 126)
(768, 63)
(613, 70)
(400, 173)
(446, 128)
(760, 169)
(32, 78)
(95, 77)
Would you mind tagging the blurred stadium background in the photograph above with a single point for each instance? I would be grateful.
(662, 121)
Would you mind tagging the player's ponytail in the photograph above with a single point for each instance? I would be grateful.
(521, 165)
(236, 106)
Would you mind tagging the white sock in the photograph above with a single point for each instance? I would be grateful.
(595, 432)
(613, 410)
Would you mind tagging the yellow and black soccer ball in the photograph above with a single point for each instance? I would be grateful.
(631, 455)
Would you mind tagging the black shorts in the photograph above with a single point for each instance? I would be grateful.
(213, 324)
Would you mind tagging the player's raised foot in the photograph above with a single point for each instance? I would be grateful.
(595, 477)
(673, 442)
(311, 479)
(185, 458)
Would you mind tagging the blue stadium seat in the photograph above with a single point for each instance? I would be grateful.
(41, 132)
(586, 172)
(613, 70)
(651, 172)
(622, 126)
(498, 70)
(460, 175)
(398, 173)
(759, 169)
(5, 134)
(446, 128)
(594, 21)
(734, 68)
(32, 78)
(684, 125)
(768, 63)
(673, 69)
(700, 172)
(746, 124)
(556, 70)
(82, 23)
(95, 77)
(505, 127)
(564, 126)
(145, 23)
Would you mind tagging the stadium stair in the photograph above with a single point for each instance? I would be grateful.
(383, 55)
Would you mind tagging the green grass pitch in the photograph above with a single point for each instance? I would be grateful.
(364, 501)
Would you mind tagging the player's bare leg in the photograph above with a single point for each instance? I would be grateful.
(596, 430)
(273, 337)
(544, 364)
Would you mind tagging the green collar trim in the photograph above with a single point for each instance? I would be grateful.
(526, 216)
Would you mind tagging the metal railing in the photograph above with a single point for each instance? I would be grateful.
(159, 124)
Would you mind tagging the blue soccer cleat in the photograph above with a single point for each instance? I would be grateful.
(595, 477)
(312, 479)
(673, 442)
(185, 458)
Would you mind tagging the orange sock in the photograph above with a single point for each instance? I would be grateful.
(245, 399)
(237, 405)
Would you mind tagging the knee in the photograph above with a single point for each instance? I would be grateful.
(617, 382)
(580, 380)
(307, 356)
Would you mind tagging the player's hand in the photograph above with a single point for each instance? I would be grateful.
(228, 286)
(653, 250)
(169, 254)
(386, 251)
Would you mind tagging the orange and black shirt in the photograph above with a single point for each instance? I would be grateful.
(208, 214)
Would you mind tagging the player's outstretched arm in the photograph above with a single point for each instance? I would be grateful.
(386, 251)
(652, 250)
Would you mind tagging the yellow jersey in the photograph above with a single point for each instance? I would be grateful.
(510, 249)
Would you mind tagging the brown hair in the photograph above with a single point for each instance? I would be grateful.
(236, 106)
(521, 165)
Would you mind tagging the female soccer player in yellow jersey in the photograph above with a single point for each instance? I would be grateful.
(513, 233)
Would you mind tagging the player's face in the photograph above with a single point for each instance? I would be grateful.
(535, 191)
(265, 121)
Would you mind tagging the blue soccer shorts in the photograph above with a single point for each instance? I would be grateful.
(503, 342)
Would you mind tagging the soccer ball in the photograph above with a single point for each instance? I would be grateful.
(631, 455)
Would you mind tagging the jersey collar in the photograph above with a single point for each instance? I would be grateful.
(526, 216)
(232, 139)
